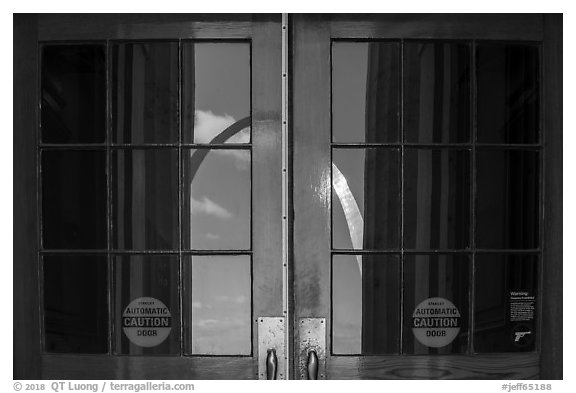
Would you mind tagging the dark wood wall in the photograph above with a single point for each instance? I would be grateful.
(26, 326)
(551, 344)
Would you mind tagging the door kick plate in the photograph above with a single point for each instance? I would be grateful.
(312, 336)
(271, 336)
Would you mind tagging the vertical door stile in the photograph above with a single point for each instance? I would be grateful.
(286, 289)
(268, 188)
(312, 172)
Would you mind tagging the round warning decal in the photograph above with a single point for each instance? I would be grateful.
(146, 322)
(436, 322)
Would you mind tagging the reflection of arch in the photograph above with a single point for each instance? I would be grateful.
(349, 205)
(200, 154)
(351, 211)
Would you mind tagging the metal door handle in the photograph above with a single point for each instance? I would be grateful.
(312, 364)
(271, 364)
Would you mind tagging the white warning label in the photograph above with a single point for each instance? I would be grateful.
(146, 321)
(522, 306)
(436, 322)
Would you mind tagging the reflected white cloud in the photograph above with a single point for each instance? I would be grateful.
(241, 158)
(203, 323)
(243, 136)
(201, 306)
(231, 299)
(219, 202)
(207, 206)
(208, 125)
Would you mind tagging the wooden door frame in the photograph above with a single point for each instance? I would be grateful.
(26, 305)
(312, 35)
(264, 32)
(551, 307)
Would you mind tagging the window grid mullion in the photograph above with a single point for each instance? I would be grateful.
(471, 292)
(180, 199)
(401, 338)
(110, 292)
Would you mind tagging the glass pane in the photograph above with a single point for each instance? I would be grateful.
(365, 304)
(507, 199)
(508, 93)
(366, 198)
(506, 303)
(145, 92)
(76, 303)
(436, 304)
(437, 92)
(145, 199)
(146, 305)
(365, 92)
(73, 94)
(216, 92)
(217, 200)
(436, 199)
(221, 305)
(74, 199)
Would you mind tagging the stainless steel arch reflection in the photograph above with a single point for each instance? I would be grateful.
(199, 154)
(351, 211)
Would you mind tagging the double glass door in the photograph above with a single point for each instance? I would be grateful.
(403, 238)
(418, 194)
(160, 207)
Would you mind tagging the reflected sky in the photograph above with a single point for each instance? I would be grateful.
(221, 305)
(218, 201)
(347, 304)
(208, 126)
(349, 69)
(217, 87)
(365, 91)
(366, 307)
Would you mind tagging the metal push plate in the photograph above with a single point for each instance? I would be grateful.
(271, 336)
(312, 335)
